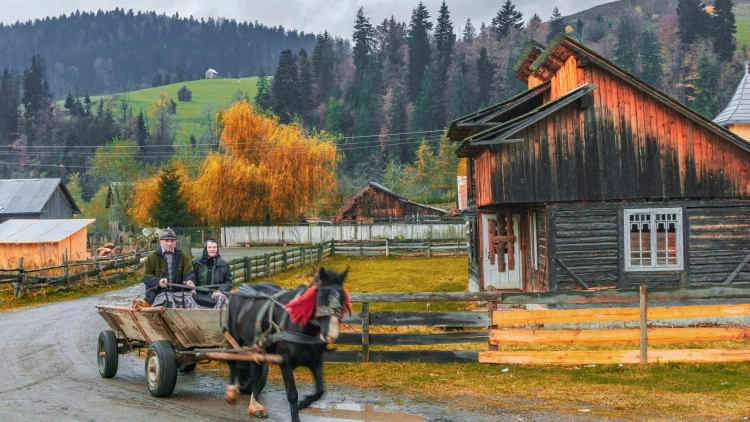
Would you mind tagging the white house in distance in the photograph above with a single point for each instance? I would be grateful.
(212, 74)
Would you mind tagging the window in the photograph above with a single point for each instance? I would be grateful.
(653, 239)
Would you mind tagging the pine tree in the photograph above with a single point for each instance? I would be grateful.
(469, 32)
(70, 103)
(461, 95)
(323, 65)
(692, 20)
(556, 24)
(262, 93)
(87, 105)
(364, 47)
(419, 49)
(707, 87)
(723, 29)
(9, 110)
(171, 207)
(394, 37)
(649, 53)
(305, 101)
(36, 94)
(444, 44)
(285, 88)
(425, 108)
(512, 84)
(625, 52)
(507, 17)
(485, 73)
(534, 25)
(579, 30)
(398, 126)
(334, 116)
(141, 131)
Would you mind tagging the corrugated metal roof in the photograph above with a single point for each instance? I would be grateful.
(33, 231)
(737, 111)
(19, 196)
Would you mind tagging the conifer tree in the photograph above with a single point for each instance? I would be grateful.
(285, 88)
(158, 80)
(579, 30)
(707, 87)
(262, 93)
(334, 115)
(461, 95)
(469, 32)
(625, 52)
(649, 53)
(141, 130)
(363, 50)
(444, 43)
(512, 84)
(398, 126)
(507, 17)
(171, 208)
(36, 93)
(534, 25)
(425, 107)
(419, 49)
(692, 20)
(70, 102)
(305, 101)
(9, 110)
(323, 66)
(556, 24)
(723, 29)
(393, 39)
(485, 73)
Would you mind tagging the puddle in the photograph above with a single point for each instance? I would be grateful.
(358, 412)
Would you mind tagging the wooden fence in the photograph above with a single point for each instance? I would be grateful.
(388, 247)
(249, 268)
(64, 275)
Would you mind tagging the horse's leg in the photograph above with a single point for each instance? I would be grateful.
(317, 371)
(255, 408)
(232, 388)
(287, 373)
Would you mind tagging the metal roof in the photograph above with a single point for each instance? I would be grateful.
(738, 109)
(36, 231)
(23, 196)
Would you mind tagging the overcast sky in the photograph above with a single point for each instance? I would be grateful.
(305, 15)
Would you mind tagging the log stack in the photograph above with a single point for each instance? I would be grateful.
(108, 249)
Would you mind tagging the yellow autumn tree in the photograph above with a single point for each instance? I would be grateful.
(265, 170)
(146, 194)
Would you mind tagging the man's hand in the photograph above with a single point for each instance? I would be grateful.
(163, 283)
(216, 294)
(190, 283)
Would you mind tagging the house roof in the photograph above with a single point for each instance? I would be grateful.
(212, 71)
(38, 231)
(737, 111)
(185, 88)
(372, 185)
(500, 134)
(29, 196)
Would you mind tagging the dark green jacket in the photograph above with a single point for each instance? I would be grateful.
(221, 275)
(155, 268)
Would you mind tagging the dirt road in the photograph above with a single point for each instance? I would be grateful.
(48, 372)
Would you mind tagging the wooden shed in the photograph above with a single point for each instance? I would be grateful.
(376, 202)
(184, 94)
(172, 107)
(35, 198)
(42, 242)
(594, 179)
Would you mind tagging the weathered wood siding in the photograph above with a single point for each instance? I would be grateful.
(57, 206)
(743, 131)
(375, 204)
(628, 145)
(535, 279)
(588, 240)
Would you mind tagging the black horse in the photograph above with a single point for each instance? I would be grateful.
(296, 324)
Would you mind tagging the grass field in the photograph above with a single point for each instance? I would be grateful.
(191, 116)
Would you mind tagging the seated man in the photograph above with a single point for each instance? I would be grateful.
(210, 270)
(167, 265)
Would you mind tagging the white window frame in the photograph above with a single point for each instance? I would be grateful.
(654, 262)
(534, 241)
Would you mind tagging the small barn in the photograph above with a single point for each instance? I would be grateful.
(172, 107)
(184, 94)
(35, 199)
(42, 242)
(212, 74)
(376, 202)
(594, 179)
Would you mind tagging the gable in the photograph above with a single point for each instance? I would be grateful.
(29, 196)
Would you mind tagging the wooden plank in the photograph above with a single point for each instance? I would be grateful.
(656, 335)
(615, 356)
(571, 274)
(428, 356)
(643, 311)
(576, 316)
(415, 339)
(448, 319)
(737, 270)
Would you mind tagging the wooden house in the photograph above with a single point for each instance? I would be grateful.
(594, 179)
(212, 74)
(172, 107)
(184, 94)
(42, 242)
(35, 199)
(377, 202)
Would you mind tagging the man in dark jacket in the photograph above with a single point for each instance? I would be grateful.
(167, 265)
(210, 269)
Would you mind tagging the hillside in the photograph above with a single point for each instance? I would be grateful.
(208, 94)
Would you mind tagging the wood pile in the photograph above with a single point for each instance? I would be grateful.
(108, 249)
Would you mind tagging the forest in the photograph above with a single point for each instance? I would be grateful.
(382, 99)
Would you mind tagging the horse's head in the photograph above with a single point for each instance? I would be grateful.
(331, 302)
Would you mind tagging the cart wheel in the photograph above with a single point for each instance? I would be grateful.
(106, 354)
(186, 369)
(161, 368)
(243, 376)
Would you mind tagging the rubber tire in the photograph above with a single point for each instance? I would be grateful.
(186, 369)
(108, 363)
(244, 381)
(161, 356)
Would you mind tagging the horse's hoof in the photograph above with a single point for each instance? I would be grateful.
(231, 394)
(258, 412)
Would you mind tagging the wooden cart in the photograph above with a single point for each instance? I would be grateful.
(176, 340)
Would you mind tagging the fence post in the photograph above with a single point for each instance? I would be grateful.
(283, 260)
(387, 252)
(429, 247)
(458, 247)
(333, 247)
(361, 244)
(302, 256)
(248, 273)
(320, 252)
(268, 264)
(644, 325)
(365, 332)
(66, 262)
(21, 282)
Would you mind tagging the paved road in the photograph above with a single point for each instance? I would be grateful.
(48, 372)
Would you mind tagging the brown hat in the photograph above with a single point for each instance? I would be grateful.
(168, 234)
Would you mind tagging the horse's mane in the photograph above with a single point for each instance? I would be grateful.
(301, 309)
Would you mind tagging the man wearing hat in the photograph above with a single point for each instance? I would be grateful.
(167, 265)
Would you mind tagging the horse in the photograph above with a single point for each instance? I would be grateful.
(296, 324)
